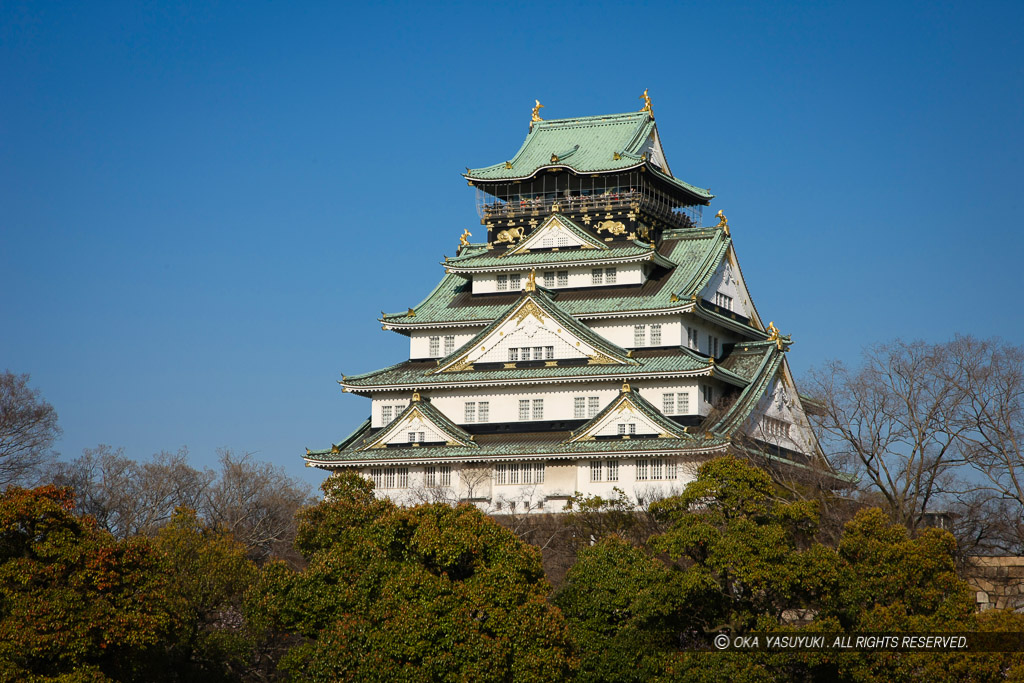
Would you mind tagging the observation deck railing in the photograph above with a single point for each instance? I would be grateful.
(647, 199)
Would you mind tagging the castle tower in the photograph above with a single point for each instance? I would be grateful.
(600, 337)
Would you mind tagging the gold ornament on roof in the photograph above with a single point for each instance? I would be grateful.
(536, 113)
(723, 222)
(773, 332)
(463, 242)
(647, 104)
(415, 397)
(625, 388)
(531, 281)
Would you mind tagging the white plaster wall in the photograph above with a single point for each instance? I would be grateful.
(419, 342)
(620, 330)
(728, 280)
(654, 393)
(625, 274)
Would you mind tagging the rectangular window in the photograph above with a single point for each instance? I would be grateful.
(549, 353)
(613, 470)
(385, 414)
(668, 404)
(389, 477)
(538, 473)
(692, 338)
(513, 355)
(641, 470)
(412, 437)
(656, 335)
(502, 283)
(524, 353)
(483, 413)
(525, 474)
(683, 404)
(597, 276)
(435, 346)
(622, 428)
(563, 278)
(595, 470)
(593, 406)
(610, 275)
(549, 278)
(538, 409)
(639, 335)
(449, 344)
(446, 475)
(470, 411)
(712, 346)
(501, 474)
(670, 470)
(515, 282)
(579, 407)
(656, 469)
(429, 476)
(403, 477)
(513, 474)
(538, 352)
(709, 394)
(524, 409)
(723, 301)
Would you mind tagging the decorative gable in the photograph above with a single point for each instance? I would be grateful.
(557, 231)
(727, 289)
(535, 329)
(420, 424)
(779, 417)
(629, 415)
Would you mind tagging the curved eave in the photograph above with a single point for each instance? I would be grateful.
(652, 256)
(620, 375)
(406, 326)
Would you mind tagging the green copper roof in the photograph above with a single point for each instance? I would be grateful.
(761, 373)
(588, 144)
(470, 261)
(415, 374)
(496, 447)
(696, 253)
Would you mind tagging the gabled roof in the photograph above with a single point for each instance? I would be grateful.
(556, 222)
(539, 305)
(420, 409)
(695, 253)
(759, 362)
(640, 409)
(588, 144)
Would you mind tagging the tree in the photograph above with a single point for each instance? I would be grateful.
(896, 422)
(432, 592)
(28, 428)
(74, 600)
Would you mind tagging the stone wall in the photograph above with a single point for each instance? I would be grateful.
(998, 582)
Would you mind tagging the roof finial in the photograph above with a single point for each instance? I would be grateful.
(531, 281)
(463, 242)
(723, 222)
(415, 397)
(647, 104)
(625, 388)
(536, 113)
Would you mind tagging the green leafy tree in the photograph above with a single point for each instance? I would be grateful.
(425, 593)
(75, 604)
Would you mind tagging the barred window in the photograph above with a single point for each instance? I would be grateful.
(513, 355)
(518, 473)
(691, 337)
(641, 470)
(597, 276)
(549, 352)
(429, 476)
(683, 403)
(639, 335)
(385, 414)
(538, 352)
(563, 278)
(595, 470)
(656, 469)
(593, 406)
(549, 278)
(446, 475)
(435, 346)
(525, 353)
(670, 470)
(403, 477)
(483, 412)
(449, 344)
(502, 282)
(668, 404)
(501, 473)
(613, 470)
(656, 335)
(524, 409)
(723, 301)
(579, 407)
(470, 411)
(610, 275)
(515, 282)
(538, 409)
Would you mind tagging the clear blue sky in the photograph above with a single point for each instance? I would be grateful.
(204, 206)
